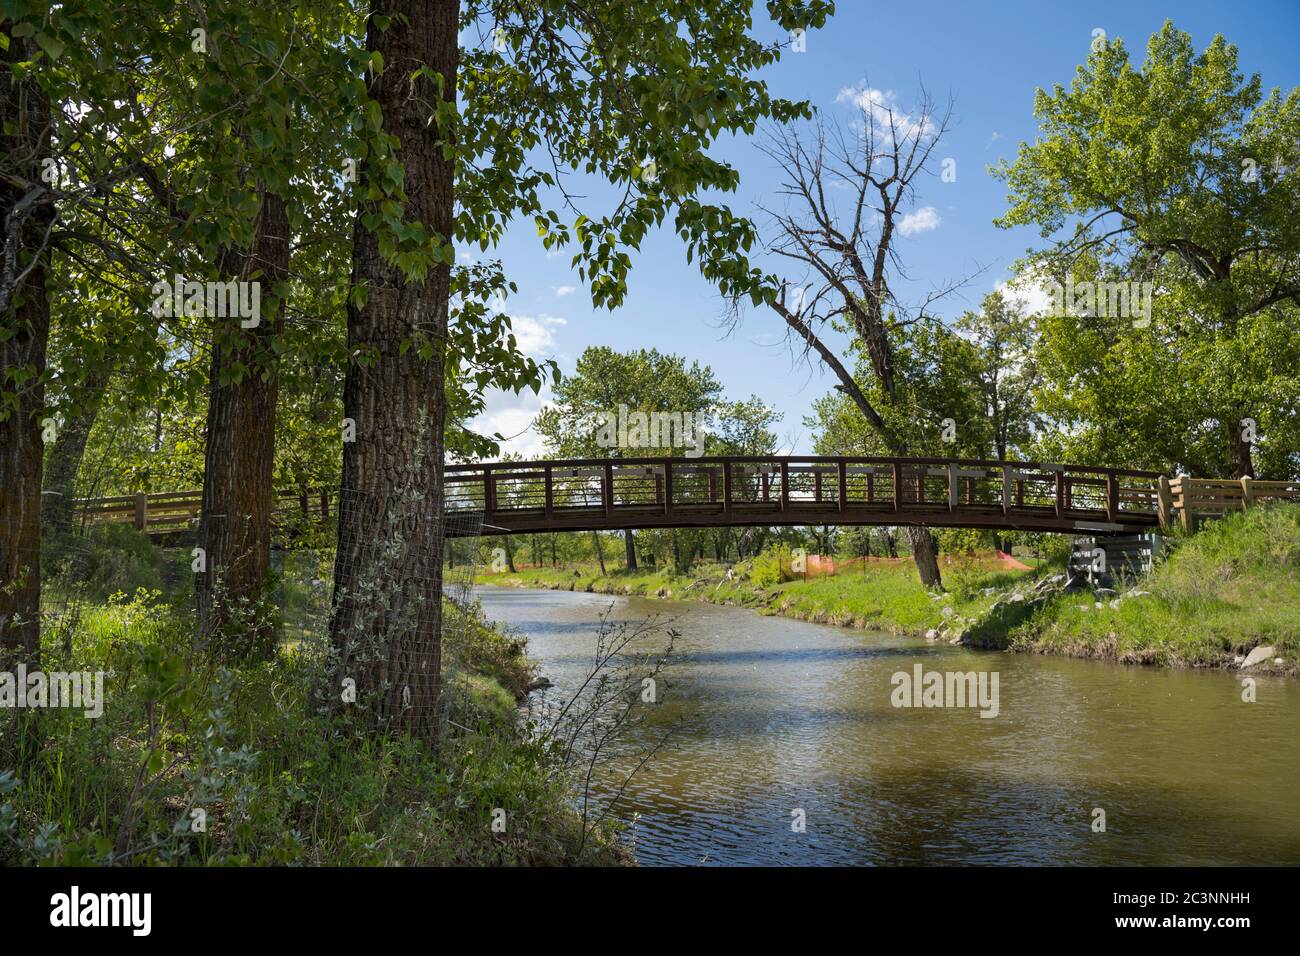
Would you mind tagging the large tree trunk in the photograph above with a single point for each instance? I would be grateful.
(1241, 452)
(925, 555)
(239, 457)
(629, 546)
(24, 336)
(600, 550)
(387, 622)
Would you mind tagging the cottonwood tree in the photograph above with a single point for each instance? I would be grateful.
(150, 144)
(606, 88)
(27, 215)
(277, 147)
(847, 191)
(60, 91)
(1181, 172)
(643, 381)
(1003, 371)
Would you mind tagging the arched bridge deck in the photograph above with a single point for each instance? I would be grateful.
(612, 494)
(528, 497)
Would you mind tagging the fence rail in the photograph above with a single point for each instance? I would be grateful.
(1194, 499)
(584, 494)
(610, 494)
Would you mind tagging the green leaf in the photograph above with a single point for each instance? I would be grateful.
(52, 45)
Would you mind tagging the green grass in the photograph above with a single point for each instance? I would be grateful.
(1231, 587)
(886, 595)
(279, 782)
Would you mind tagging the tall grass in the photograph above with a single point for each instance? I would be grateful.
(195, 763)
(1230, 587)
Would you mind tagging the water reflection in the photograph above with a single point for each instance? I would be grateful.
(772, 716)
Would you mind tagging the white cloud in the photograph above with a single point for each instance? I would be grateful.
(923, 220)
(535, 334)
(1028, 294)
(512, 415)
(564, 290)
(881, 107)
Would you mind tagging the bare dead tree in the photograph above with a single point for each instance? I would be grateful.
(847, 190)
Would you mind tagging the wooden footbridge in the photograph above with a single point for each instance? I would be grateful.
(614, 494)
(579, 495)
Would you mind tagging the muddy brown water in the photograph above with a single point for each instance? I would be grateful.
(773, 717)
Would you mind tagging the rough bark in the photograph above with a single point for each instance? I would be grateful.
(387, 621)
(924, 550)
(1243, 465)
(239, 454)
(629, 545)
(25, 214)
(926, 556)
(600, 550)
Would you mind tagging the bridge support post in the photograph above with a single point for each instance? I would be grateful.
(549, 480)
(141, 511)
(726, 487)
(898, 487)
(1112, 496)
(1006, 490)
(668, 487)
(843, 476)
(1164, 501)
(785, 485)
(952, 486)
(608, 489)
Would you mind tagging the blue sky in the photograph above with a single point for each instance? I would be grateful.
(990, 57)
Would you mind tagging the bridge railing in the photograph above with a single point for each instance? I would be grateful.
(1197, 498)
(604, 492)
(178, 510)
(634, 486)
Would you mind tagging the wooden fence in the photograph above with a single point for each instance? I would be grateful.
(179, 510)
(538, 496)
(1194, 499)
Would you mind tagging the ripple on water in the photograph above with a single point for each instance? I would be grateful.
(770, 716)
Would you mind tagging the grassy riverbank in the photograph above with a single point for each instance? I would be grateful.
(1231, 588)
(196, 763)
